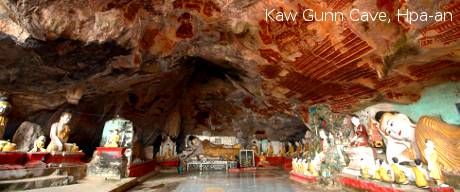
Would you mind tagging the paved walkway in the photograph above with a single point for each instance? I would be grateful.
(216, 181)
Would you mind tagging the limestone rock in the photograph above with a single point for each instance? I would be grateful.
(26, 134)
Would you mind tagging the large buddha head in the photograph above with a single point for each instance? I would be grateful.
(395, 125)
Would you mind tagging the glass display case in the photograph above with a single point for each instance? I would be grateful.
(247, 158)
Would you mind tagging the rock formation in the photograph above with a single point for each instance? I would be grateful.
(218, 65)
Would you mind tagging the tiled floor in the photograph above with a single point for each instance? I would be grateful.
(265, 181)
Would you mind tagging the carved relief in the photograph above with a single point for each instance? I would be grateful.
(185, 29)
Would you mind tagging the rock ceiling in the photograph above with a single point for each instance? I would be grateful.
(217, 63)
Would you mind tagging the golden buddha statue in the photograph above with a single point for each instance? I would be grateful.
(74, 148)
(256, 149)
(421, 176)
(291, 150)
(262, 158)
(4, 108)
(6, 146)
(39, 144)
(398, 175)
(282, 150)
(59, 133)
(114, 139)
(270, 150)
(298, 149)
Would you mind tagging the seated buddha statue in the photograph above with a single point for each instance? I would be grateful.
(168, 148)
(59, 133)
(262, 159)
(39, 144)
(114, 139)
(270, 150)
(282, 150)
(299, 149)
(398, 175)
(4, 109)
(6, 146)
(291, 150)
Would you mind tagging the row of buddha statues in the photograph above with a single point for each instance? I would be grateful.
(306, 167)
(404, 174)
(59, 134)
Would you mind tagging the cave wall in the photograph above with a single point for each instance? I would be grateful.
(439, 101)
(138, 59)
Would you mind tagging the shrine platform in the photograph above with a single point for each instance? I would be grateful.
(275, 162)
(302, 178)
(29, 170)
(173, 163)
(243, 169)
(359, 184)
(141, 169)
(22, 160)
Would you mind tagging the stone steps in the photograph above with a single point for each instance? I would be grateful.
(76, 171)
(36, 182)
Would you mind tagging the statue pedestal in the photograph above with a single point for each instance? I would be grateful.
(245, 169)
(287, 164)
(273, 162)
(442, 189)
(56, 158)
(113, 152)
(12, 158)
(302, 178)
(109, 162)
(28, 170)
(36, 159)
(171, 163)
(356, 183)
(140, 169)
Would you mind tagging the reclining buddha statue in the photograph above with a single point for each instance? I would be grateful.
(198, 148)
(406, 141)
